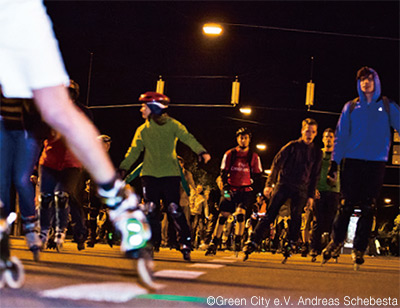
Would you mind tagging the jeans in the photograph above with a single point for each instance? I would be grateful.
(19, 152)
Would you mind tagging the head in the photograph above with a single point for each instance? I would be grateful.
(328, 138)
(308, 130)
(73, 90)
(153, 104)
(243, 137)
(106, 141)
(365, 76)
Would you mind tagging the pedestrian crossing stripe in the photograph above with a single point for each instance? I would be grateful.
(178, 274)
(206, 265)
(116, 292)
(175, 298)
(222, 261)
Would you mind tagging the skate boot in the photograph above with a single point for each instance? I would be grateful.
(287, 251)
(313, 254)
(31, 230)
(249, 247)
(12, 272)
(331, 251)
(34, 244)
(132, 224)
(212, 248)
(238, 245)
(185, 250)
(59, 238)
(358, 258)
(91, 240)
(304, 250)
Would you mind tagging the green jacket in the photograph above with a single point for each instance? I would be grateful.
(159, 145)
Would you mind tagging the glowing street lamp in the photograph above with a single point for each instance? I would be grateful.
(212, 29)
(245, 110)
(261, 146)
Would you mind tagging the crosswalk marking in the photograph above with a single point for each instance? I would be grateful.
(116, 292)
(222, 261)
(178, 274)
(206, 265)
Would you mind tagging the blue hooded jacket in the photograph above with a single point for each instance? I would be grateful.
(363, 132)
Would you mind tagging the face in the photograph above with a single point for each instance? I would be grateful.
(328, 139)
(145, 110)
(308, 133)
(367, 84)
(199, 189)
(243, 141)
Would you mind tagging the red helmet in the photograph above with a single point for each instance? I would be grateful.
(154, 97)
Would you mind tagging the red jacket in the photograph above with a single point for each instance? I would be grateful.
(57, 156)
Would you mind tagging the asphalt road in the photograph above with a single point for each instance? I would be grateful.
(101, 277)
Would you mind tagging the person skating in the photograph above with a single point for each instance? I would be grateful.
(362, 143)
(240, 171)
(294, 174)
(160, 174)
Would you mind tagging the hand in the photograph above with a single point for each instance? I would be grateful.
(309, 205)
(332, 173)
(34, 179)
(206, 157)
(317, 194)
(268, 191)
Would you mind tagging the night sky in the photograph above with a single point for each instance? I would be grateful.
(134, 42)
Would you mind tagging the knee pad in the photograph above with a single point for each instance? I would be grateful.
(174, 210)
(222, 219)
(45, 200)
(240, 217)
(61, 198)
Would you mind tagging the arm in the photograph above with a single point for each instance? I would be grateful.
(278, 163)
(187, 138)
(394, 116)
(315, 174)
(133, 152)
(342, 134)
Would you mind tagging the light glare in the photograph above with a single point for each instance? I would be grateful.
(261, 146)
(245, 110)
(212, 29)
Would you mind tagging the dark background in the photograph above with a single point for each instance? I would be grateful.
(134, 42)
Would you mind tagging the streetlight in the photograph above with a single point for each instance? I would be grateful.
(212, 29)
(245, 110)
(261, 146)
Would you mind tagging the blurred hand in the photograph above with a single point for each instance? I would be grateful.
(206, 157)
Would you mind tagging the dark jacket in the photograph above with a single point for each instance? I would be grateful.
(297, 165)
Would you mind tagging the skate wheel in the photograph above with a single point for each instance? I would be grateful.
(14, 275)
(36, 255)
(145, 268)
(356, 267)
(313, 259)
(2, 280)
(284, 260)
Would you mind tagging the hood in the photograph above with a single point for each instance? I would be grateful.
(377, 90)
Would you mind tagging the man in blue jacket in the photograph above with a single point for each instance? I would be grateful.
(362, 144)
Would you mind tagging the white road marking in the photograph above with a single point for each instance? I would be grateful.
(178, 274)
(206, 265)
(116, 292)
(222, 260)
